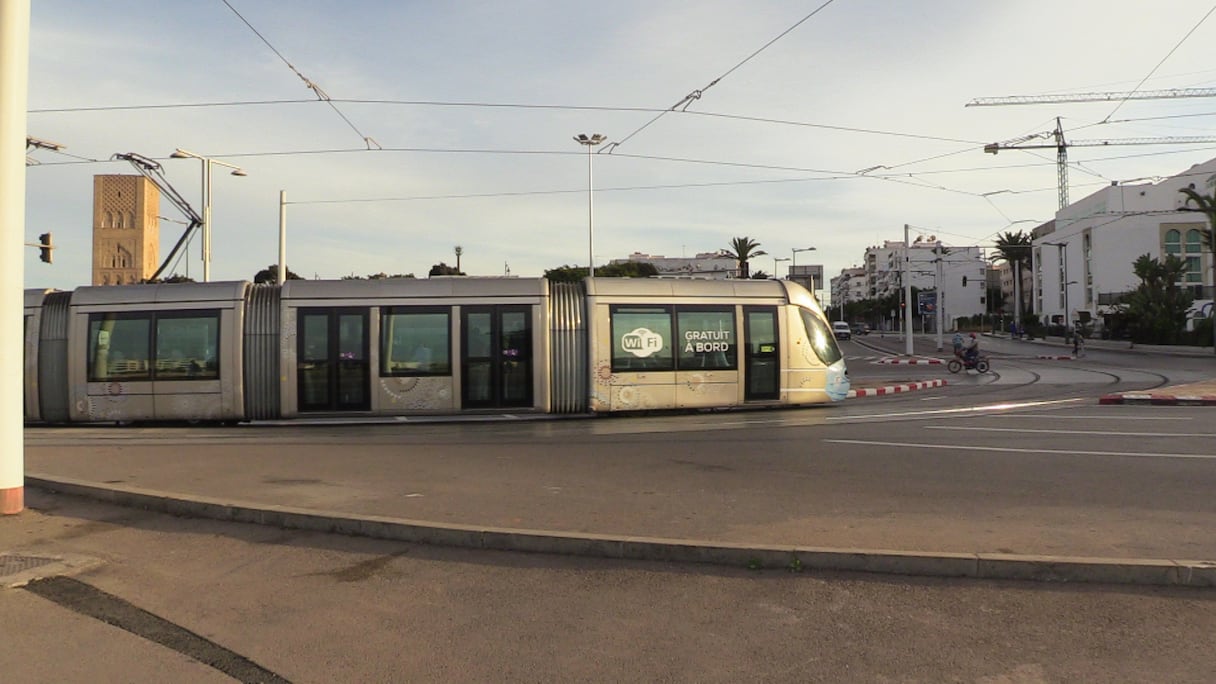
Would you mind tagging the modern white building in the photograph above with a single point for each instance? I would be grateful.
(849, 286)
(1083, 260)
(715, 265)
(963, 272)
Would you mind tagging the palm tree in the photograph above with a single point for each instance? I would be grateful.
(1205, 204)
(1014, 249)
(1157, 308)
(742, 249)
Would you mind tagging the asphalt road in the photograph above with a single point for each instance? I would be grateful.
(1022, 460)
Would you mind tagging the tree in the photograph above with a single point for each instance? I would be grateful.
(1014, 249)
(442, 269)
(1205, 204)
(270, 274)
(1156, 310)
(377, 276)
(175, 278)
(566, 274)
(741, 250)
(626, 269)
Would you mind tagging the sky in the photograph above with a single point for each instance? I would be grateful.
(797, 124)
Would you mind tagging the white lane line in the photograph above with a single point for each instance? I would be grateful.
(1056, 416)
(971, 447)
(966, 409)
(1071, 432)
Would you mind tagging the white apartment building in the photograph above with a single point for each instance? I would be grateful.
(964, 273)
(1084, 261)
(849, 286)
(714, 265)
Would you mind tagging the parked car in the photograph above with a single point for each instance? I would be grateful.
(841, 330)
(861, 329)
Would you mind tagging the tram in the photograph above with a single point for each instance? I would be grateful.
(237, 351)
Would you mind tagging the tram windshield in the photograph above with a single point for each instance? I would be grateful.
(821, 337)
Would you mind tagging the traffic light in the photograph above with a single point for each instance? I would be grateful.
(964, 281)
(45, 247)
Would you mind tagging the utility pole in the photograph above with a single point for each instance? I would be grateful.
(941, 295)
(907, 293)
(281, 276)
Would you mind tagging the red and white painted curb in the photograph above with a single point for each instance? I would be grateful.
(1056, 357)
(895, 389)
(1160, 399)
(901, 361)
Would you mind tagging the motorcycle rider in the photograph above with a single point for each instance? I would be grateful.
(971, 349)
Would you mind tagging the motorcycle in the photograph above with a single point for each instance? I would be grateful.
(958, 363)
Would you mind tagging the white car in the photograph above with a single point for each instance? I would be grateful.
(842, 331)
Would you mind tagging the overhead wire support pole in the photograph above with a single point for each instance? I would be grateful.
(907, 294)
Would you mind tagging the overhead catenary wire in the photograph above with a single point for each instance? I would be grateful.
(1163, 59)
(688, 99)
(321, 94)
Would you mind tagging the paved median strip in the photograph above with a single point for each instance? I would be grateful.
(1163, 572)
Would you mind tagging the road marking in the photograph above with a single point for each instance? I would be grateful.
(1071, 432)
(967, 409)
(1024, 451)
(1055, 416)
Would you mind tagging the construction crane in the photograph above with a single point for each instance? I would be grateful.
(1061, 146)
(1027, 142)
(153, 172)
(1092, 97)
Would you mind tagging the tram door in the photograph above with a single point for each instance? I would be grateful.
(496, 356)
(332, 367)
(762, 359)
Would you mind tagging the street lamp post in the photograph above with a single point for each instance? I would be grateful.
(179, 153)
(590, 141)
(794, 266)
(775, 261)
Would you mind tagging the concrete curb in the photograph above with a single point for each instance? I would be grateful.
(920, 361)
(1158, 399)
(895, 389)
(1161, 572)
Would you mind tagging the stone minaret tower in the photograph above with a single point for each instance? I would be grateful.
(126, 235)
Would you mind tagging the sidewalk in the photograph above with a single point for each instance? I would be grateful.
(1114, 345)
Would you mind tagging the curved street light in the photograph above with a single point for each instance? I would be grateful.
(777, 260)
(179, 153)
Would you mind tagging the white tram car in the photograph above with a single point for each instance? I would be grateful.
(235, 351)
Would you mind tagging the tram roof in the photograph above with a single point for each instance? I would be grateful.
(226, 291)
(441, 286)
(691, 287)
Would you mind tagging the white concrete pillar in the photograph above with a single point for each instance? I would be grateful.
(14, 82)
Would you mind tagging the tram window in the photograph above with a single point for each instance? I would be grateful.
(823, 341)
(415, 342)
(118, 347)
(187, 346)
(707, 338)
(641, 338)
